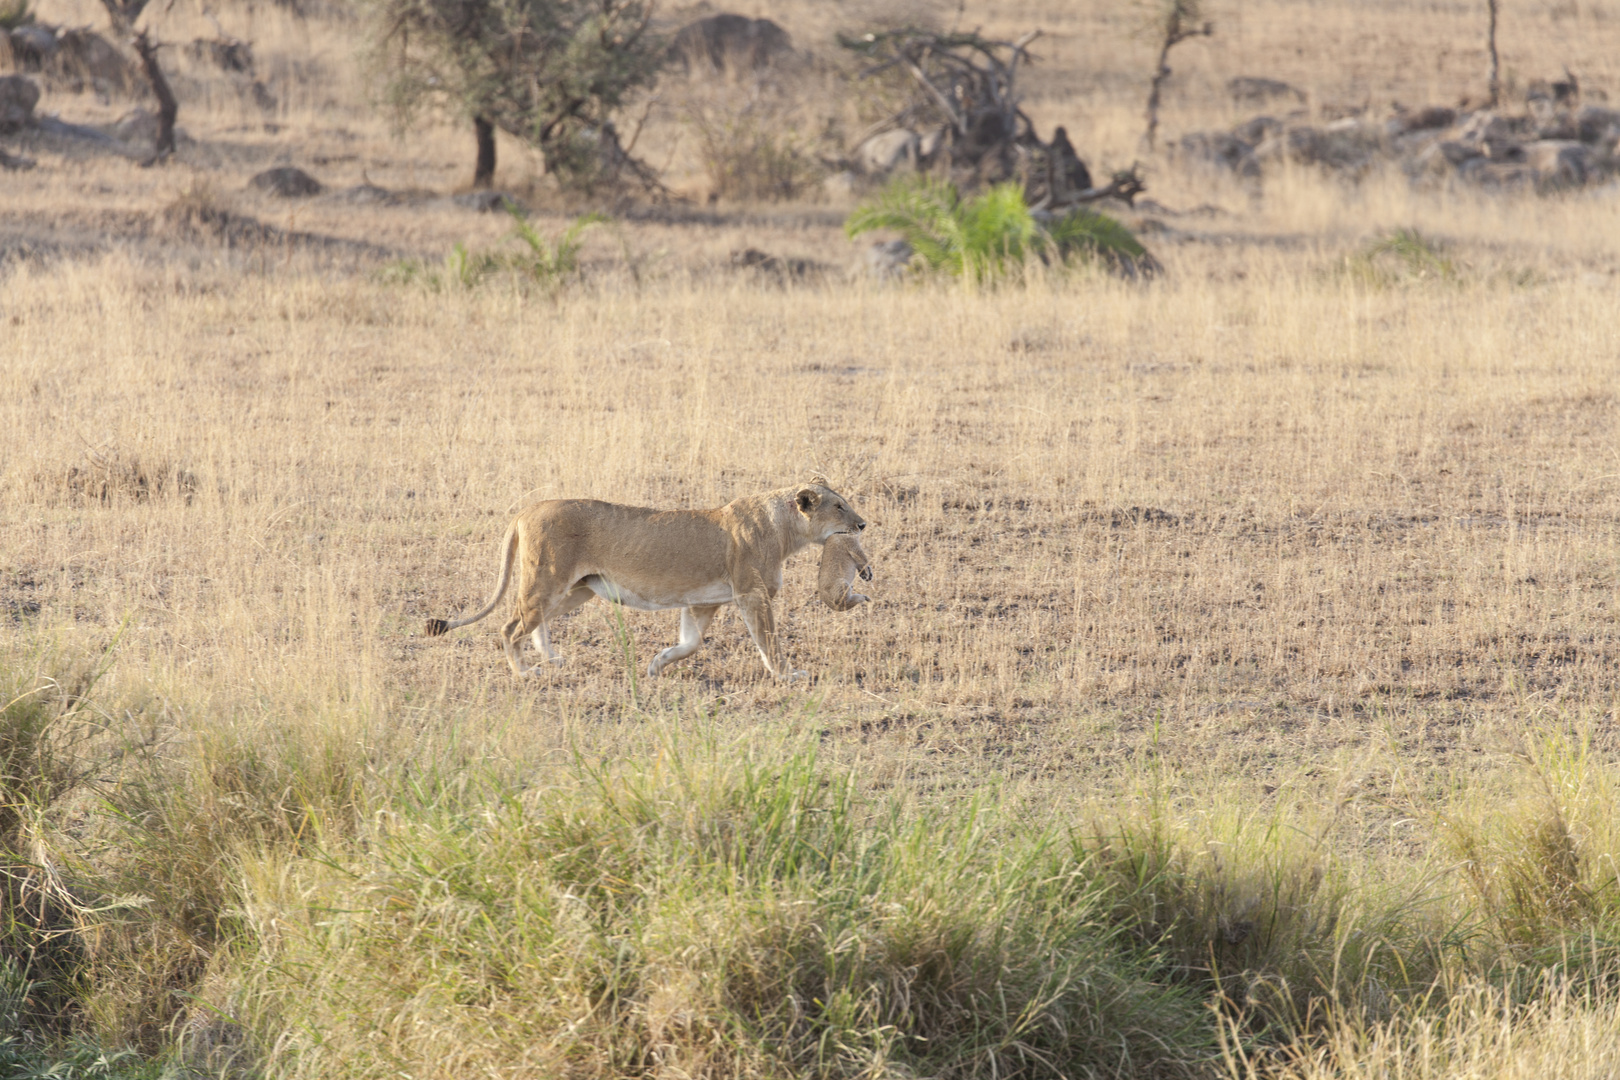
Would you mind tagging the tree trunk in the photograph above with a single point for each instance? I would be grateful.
(484, 170)
(1490, 47)
(1160, 73)
(168, 108)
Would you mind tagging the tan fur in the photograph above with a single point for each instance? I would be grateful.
(567, 551)
(841, 560)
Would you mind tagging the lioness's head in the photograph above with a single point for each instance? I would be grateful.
(826, 512)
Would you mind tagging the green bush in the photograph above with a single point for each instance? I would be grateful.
(995, 234)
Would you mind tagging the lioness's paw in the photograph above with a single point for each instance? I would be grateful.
(859, 598)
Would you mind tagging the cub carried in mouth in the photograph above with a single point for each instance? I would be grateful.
(567, 551)
(841, 560)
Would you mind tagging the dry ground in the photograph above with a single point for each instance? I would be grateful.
(1266, 515)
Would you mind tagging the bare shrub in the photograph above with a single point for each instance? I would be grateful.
(755, 143)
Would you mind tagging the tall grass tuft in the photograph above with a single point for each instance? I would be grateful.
(713, 912)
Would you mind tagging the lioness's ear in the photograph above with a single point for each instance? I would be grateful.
(807, 499)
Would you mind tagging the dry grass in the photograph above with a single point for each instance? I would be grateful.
(1296, 543)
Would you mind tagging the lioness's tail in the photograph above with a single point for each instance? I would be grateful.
(435, 627)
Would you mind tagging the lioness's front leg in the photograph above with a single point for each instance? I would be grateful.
(694, 623)
(761, 620)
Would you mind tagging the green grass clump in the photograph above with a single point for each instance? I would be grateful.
(716, 914)
(1400, 257)
(548, 264)
(993, 235)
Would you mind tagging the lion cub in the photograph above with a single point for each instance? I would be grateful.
(841, 559)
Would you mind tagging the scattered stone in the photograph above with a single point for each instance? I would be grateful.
(887, 151)
(72, 56)
(366, 195)
(487, 202)
(1432, 118)
(1220, 150)
(1559, 163)
(18, 96)
(32, 46)
(1255, 131)
(1552, 146)
(726, 43)
(1250, 90)
(1595, 124)
(50, 125)
(840, 185)
(886, 260)
(286, 182)
(776, 269)
(140, 125)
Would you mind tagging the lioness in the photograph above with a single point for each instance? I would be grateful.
(569, 550)
(841, 559)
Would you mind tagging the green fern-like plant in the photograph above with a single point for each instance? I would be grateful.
(995, 234)
(545, 262)
(1086, 235)
(15, 13)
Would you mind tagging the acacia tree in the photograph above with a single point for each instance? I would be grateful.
(550, 72)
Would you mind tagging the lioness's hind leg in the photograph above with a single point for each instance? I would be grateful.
(512, 633)
(542, 633)
(694, 624)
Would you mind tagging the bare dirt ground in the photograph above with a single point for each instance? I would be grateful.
(1269, 518)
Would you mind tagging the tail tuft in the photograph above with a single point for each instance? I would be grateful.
(435, 627)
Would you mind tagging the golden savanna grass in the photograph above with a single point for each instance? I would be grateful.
(1285, 587)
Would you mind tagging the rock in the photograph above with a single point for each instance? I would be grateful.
(82, 55)
(886, 260)
(1217, 149)
(366, 195)
(840, 185)
(1595, 124)
(18, 96)
(486, 202)
(1250, 90)
(728, 43)
(929, 143)
(32, 46)
(1255, 131)
(1496, 175)
(1456, 153)
(887, 151)
(1349, 144)
(1431, 118)
(286, 182)
(139, 125)
(1559, 163)
(775, 269)
(15, 162)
